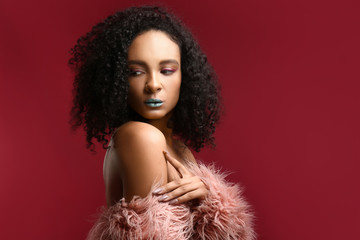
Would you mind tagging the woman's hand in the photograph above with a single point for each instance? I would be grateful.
(187, 188)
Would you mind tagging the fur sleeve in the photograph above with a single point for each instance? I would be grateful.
(142, 218)
(224, 214)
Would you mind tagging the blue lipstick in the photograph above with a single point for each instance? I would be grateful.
(153, 102)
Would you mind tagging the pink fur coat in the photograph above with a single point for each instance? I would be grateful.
(223, 215)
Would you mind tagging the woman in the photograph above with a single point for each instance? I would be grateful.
(142, 78)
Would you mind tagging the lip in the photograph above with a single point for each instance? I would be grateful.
(153, 102)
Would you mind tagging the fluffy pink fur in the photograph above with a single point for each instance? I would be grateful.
(223, 215)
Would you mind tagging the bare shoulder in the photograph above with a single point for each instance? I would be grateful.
(139, 147)
(137, 141)
(139, 132)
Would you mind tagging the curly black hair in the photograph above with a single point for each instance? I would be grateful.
(99, 60)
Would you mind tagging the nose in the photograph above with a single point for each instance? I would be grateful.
(153, 83)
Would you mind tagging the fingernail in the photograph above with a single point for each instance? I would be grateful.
(158, 190)
(163, 197)
(174, 201)
(166, 152)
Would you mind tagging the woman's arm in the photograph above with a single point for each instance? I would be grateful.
(139, 149)
(188, 187)
(222, 212)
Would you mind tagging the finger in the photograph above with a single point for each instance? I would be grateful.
(172, 185)
(177, 192)
(176, 164)
(196, 194)
(183, 189)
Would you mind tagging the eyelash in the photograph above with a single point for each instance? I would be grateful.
(163, 71)
(135, 73)
(168, 71)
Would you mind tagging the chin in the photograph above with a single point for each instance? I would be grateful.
(153, 115)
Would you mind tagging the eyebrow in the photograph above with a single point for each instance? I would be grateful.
(142, 63)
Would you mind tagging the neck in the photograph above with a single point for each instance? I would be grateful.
(162, 125)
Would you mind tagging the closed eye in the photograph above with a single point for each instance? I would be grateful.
(168, 71)
(135, 73)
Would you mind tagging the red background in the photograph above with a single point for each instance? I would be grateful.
(290, 135)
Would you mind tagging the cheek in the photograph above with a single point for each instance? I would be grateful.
(134, 95)
(179, 85)
(176, 84)
(174, 88)
(130, 94)
(134, 89)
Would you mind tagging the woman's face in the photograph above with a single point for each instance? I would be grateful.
(155, 75)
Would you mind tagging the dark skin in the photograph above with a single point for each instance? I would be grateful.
(142, 153)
